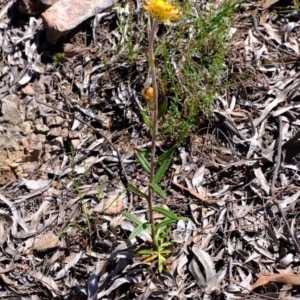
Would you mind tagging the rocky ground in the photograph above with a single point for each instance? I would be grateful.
(67, 125)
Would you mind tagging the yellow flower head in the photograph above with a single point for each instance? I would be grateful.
(162, 10)
(148, 94)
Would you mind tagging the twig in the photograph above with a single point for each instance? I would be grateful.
(274, 198)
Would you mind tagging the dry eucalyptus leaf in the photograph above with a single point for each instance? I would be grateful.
(196, 194)
(287, 278)
(36, 184)
(47, 282)
(70, 261)
(46, 241)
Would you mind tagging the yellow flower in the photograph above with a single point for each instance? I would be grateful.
(162, 10)
(148, 94)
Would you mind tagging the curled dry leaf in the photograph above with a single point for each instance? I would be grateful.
(287, 278)
(196, 194)
(47, 282)
(36, 184)
(202, 278)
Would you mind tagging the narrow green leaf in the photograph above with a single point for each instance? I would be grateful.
(164, 246)
(144, 151)
(157, 189)
(162, 108)
(166, 154)
(141, 225)
(146, 120)
(160, 260)
(163, 167)
(136, 191)
(167, 213)
(136, 231)
(132, 218)
(146, 252)
(140, 155)
(165, 223)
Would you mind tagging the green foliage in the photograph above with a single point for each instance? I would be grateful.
(157, 189)
(131, 39)
(58, 58)
(162, 250)
(84, 207)
(162, 236)
(141, 157)
(190, 59)
(193, 58)
(163, 162)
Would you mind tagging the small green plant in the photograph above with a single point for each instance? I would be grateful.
(188, 64)
(155, 166)
(99, 194)
(87, 219)
(76, 187)
(131, 39)
(193, 62)
(58, 58)
(162, 235)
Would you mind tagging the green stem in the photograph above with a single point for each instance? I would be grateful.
(154, 115)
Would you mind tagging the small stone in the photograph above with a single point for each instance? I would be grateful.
(54, 147)
(19, 171)
(28, 90)
(59, 140)
(26, 127)
(9, 110)
(30, 167)
(54, 121)
(65, 132)
(38, 121)
(41, 128)
(35, 142)
(54, 132)
(74, 134)
(66, 15)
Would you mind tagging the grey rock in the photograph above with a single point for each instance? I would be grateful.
(66, 15)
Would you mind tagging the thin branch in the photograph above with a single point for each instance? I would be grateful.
(152, 33)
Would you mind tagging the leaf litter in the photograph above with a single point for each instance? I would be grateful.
(66, 136)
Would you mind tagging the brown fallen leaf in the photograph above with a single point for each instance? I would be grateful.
(46, 241)
(196, 194)
(287, 278)
(71, 51)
